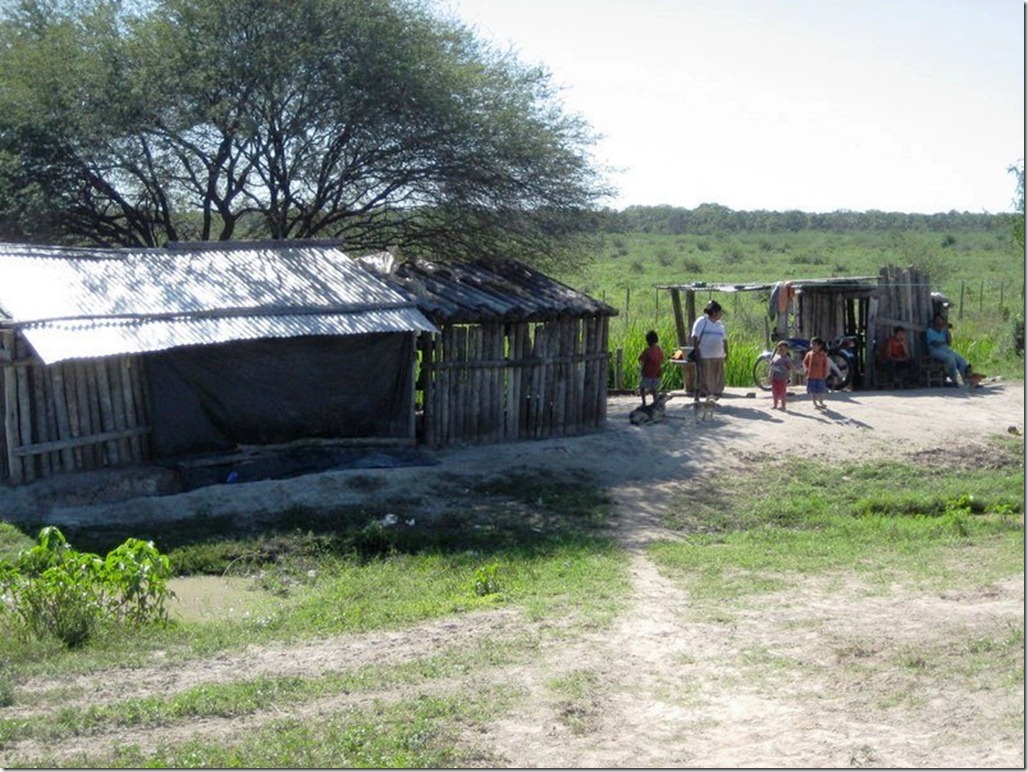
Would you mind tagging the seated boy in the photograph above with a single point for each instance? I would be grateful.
(897, 355)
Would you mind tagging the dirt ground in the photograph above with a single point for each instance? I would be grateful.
(802, 681)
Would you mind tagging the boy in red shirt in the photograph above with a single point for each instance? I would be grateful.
(651, 360)
(897, 354)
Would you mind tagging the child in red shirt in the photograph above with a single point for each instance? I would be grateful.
(651, 360)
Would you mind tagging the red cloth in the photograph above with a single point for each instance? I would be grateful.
(896, 349)
(652, 358)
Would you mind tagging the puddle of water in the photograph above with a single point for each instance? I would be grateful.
(206, 598)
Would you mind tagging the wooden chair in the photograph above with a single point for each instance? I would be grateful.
(933, 372)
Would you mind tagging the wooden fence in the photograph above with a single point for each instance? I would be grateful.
(76, 415)
(495, 381)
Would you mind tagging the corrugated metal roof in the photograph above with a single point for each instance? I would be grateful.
(76, 303)
(485, 291)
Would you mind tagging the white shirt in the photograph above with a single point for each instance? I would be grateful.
(711, 336)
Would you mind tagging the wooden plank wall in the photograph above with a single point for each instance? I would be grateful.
(904, 299)
(498, 382)
(76, 415)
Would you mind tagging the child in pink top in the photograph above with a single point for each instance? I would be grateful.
(780, 369)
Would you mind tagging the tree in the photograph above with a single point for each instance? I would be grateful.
(1018, 171)
(379, 122)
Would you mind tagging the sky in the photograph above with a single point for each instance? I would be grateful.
(815, 105)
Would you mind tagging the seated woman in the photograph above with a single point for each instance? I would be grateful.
(939, 338)
(897, 355)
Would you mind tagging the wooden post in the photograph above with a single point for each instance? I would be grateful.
(10, 397)
(676, 308)
(619, 359)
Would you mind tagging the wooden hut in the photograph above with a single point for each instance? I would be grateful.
(904, 299)
(518, 355)
(117, 357)
(829, 307)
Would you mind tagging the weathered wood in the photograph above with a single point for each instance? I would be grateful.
(107, 420)
(129, 398)
(14, 468)
(61, 415)
(42, 413)
(497, 401)
(139, 385)
(24, 403)
(91, 459)
(681, 330)
(59, 446)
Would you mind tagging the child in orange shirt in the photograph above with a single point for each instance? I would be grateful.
(815, 365)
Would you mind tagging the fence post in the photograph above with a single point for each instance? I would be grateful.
(960, 310)
(619, 358)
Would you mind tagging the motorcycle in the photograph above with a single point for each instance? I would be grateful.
(842, 361)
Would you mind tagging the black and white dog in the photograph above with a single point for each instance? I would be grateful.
(648, 414)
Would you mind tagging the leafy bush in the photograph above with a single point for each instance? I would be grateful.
(55, 590)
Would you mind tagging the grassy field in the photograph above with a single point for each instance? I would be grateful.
(981, 271)
(538, 544)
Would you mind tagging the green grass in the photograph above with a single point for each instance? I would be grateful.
(982, 271)
(762, 533)
(952, 522)
(416, 732)
(541, 537)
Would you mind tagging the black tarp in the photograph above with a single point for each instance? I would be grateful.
(216, 397)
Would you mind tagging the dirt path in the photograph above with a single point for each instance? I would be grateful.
(808, 679)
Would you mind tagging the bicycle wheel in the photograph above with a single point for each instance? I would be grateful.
(762, 372)
(838, 381)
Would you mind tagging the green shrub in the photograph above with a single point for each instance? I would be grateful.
(55, 590)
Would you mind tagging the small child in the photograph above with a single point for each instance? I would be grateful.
(780, 369)
(651, 360)
(815, 365)
(897, 354)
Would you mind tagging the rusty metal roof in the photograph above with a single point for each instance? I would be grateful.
(78, 303)
(482, 291)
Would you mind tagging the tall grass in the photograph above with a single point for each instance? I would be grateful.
(982, 272)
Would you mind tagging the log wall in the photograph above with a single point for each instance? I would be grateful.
(496, 382)
(904, 298)
(73, 415)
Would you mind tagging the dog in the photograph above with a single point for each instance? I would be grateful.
(703, 410)
(651, 413)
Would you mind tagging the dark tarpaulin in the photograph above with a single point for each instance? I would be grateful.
(213, 398)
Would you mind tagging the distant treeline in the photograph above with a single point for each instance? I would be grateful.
(707, 219)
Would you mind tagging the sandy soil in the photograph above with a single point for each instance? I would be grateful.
(808, 679)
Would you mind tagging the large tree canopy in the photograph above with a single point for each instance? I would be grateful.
(381, 122)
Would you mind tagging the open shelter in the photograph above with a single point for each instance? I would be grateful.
(866, 307)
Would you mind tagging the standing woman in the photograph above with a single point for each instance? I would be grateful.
(710, 340)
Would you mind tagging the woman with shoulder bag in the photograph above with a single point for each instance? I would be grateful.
(710, 342)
